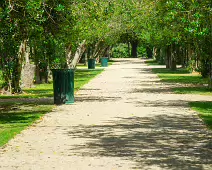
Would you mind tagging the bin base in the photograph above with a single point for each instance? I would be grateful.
(69, 103)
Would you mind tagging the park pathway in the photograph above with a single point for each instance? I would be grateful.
(123, 119)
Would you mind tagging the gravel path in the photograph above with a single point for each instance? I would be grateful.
(123, 119)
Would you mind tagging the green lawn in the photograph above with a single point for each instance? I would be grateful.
(17, 116)
(205, 111)
(191, 83)
(151, 62)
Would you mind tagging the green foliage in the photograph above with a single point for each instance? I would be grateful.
(142, 51)
(121, 51)
(205, 111)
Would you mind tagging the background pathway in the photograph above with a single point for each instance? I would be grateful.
(123, 119)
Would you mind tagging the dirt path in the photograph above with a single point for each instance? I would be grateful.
(123, 119)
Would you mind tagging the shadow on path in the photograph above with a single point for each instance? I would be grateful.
(170, 142)
(96, 99)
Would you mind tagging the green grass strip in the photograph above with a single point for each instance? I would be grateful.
(191, 83)
(205, 111)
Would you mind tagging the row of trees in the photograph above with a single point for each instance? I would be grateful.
(55, 34)
(183, 32)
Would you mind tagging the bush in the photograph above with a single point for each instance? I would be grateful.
(121, 51)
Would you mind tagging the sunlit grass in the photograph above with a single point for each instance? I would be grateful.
(189, 83)
(152, 62)
(205, 111)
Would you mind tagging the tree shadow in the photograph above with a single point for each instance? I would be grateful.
(89, 89)
(96, 99)
(161, 103)
(169, 142)
(22, 118)
(39, 101)
(156, 90)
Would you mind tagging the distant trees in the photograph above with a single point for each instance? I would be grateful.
(181, 31)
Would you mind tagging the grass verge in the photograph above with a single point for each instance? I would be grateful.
(189, 83)
(151, 62)
(17, 116)
(205, 111)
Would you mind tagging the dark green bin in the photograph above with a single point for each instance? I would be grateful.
(63, 85)
(91, 63)
(104, 62)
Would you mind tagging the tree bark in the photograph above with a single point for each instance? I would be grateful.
(173, 57)
(210, 77)
(168, 56)
(68, 55)
(86, 58)
(150, 53)
(16, 85)
(78, 54)
(128, 44)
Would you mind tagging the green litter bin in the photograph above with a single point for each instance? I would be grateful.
(91, 63)
(104, 62)
(63, 85)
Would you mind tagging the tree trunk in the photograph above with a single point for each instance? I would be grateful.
(210, 78)
(162, 55)
(183, 57)
(173, 57)
(68, 55)
(78, 54)
(129, 54)
(150, 53)
(16, 85)
(134, 53)
(86, 58)
(168, 56)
